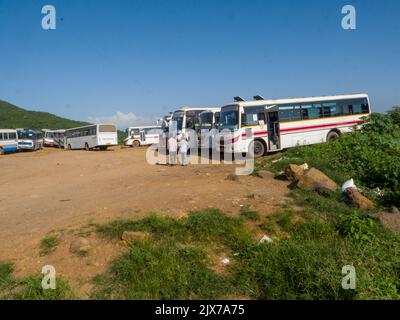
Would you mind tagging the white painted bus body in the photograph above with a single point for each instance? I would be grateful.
(90, 137)
(142, 136)
(285, 123)
(209, 121)
(8, 141)
(53, 138)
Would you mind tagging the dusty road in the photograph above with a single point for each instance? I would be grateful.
(54, 190)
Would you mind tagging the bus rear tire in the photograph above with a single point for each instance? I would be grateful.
(332, 136)
(257, 149)
(135, 144)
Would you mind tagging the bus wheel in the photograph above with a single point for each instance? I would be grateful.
(135, 144)
(69, 147)
(257, 149)
(87, 146)
(1, 151)
(332, 136)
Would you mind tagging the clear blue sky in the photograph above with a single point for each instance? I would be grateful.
(148, 57)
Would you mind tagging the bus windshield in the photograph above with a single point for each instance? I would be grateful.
(229, 118)
(178, 119)
(206, 120)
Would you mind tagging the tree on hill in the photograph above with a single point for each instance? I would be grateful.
(12, 116)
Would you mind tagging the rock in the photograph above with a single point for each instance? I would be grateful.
(132, 236)
(294, 172)
(232, 177)
(358, 199)
(79, 245)
(389, 220)
(226, 261)
(265, 174)
(316, 180)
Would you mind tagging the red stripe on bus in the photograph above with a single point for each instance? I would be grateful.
(323, 126)
(256, 133)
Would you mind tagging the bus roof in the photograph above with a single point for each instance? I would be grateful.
(49, 130)
(91, 125)
(297, 100)
(194, 109)
(144, 127)
(213, 110)
(8, 130)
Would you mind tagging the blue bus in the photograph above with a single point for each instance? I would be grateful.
(8, 141)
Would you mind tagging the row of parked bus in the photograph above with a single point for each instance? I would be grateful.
(261, 125)
(96, 136)
(258, 126)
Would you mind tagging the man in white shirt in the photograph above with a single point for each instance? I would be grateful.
(183, 149)
(172, 148)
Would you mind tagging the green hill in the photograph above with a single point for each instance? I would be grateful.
(12, 117)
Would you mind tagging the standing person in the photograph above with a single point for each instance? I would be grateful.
(183, 149)
(172, 148)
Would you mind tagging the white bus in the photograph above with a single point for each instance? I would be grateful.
(262, 126)
(142, 136)
(53, 138)
(187, 118)
(29, 139)
(209, 122)
(8, 141)
(99, 136)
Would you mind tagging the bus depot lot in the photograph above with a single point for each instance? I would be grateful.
(53, 190)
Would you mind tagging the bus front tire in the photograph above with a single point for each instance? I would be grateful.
(257, 149)
(332, 136)
(135, 144)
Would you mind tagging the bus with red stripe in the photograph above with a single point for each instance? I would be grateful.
(261, 126)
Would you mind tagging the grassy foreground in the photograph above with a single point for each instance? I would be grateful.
(181, 259)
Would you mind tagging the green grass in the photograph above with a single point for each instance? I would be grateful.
(48, 245)
(30, 288)
(305, 260)
(248, 213)
(161, 271)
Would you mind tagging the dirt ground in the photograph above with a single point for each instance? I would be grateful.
(62, 192)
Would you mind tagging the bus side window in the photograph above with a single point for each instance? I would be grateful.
(1, 136)
(365, 107)
(348, 109)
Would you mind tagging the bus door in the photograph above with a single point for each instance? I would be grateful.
(274, 137)
(142, 136)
